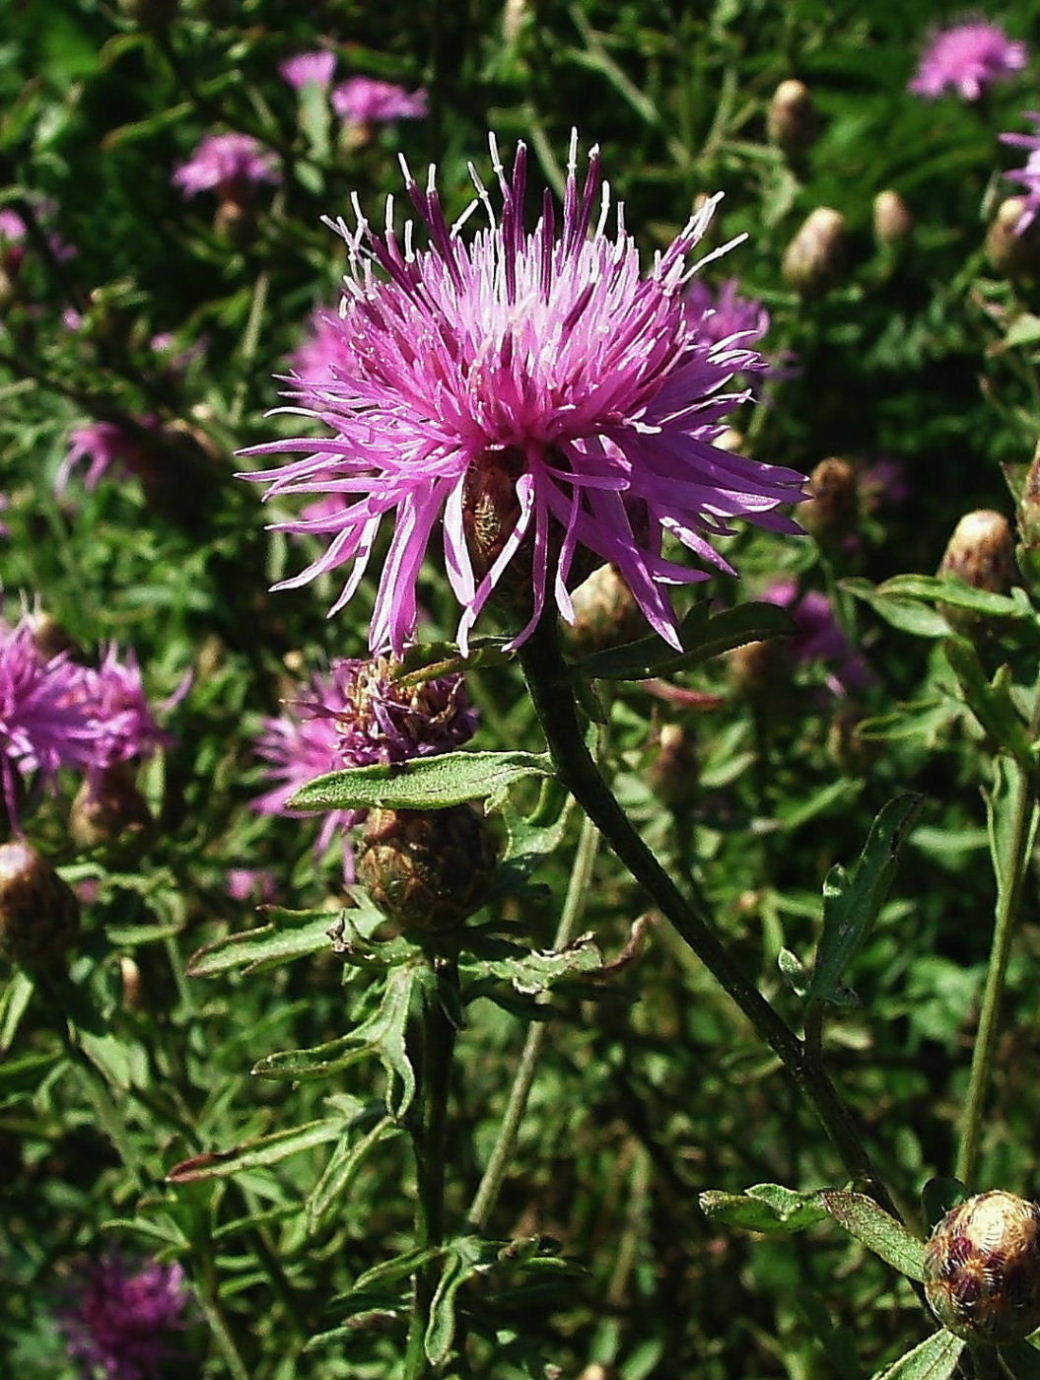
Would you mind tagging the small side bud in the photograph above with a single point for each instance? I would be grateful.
(673, 773)
(832, 510)
(981, 552)
(39, 913)
(792, 122)
(893, 219)
(982, 1269)
(428, 870)
(110, 810)
(816, 260)
(605, 612)
(759, 672)
(1010, 252)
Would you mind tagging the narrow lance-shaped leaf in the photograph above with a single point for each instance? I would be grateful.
(934, 1359)
(862, 1218)
(989, 701)
(291, 935)
(851, 904)
(221, 1164)
(1009, 786)
(768, 1208)
(425, 783)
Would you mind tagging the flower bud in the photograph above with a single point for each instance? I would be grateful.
(673, 773)
(132, 983)
(792, 122)
(428, 870)
(817, 258)
(605, 612)
(39, 913)
(982, 1268)
(1013, 254)
(893, 219)
(758, 671)
(109, 810)
(831, 511)
(235, 222)
(981, 552)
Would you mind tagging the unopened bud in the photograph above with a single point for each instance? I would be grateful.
(39, 913)
(792, 122)
(605, 612)
(759, 671)
(428, 870)
(981, 552)
(673, 774)
(133, 985)
(893, 219)
(831, 511)
(1010, 252)
(982, 1269)
(817, 258)
(598, 1372)
(109, 810)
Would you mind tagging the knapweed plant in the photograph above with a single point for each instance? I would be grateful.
(519, 692)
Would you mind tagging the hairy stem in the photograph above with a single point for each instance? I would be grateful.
(549, 683)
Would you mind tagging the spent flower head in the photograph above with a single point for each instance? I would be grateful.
(355, 715)
(309, 69)
(537, 395)
(369, 101)
(967, 58)
(121, 1319)
(229, 164)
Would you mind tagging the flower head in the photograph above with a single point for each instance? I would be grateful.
(1029, 176)
(229, 164)
(121, 1320)
(368, 101)
(252, 884)
(124, 726)
(353, 716)
(533, 384)
(819, 636)
(309, 69)
(102, 446)
(967, 58)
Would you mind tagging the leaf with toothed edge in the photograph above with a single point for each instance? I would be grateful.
(425, 783)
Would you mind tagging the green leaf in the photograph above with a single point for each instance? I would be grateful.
(851, 903)
(531, 838)
(463, 1256)
(870, 1224)
(768, 1208)
(948, 590)
(1011, 782)
(292, 934)
(703, 636)
(934, 1359)
(221, 1164)
(940, 1195)
(21, 1076)
(908, 615)
(341, 1170)
(14, 1002)
(425, 783)
(989, 701)
(532, 971)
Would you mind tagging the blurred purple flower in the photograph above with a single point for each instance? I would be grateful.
(1029, 176)
(819, 637)
(229, 164)
(43, 722)
(883, 485)
(252, 884)
(316, 358)
(113, 696)
(5, 504)
(368, 101)
(120, 1321)
(536, 375)
(103, 445)
(353, 716)
(309, 69)
(724, 317)
(967, 58)
(13, 234)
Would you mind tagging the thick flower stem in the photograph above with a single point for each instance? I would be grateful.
(434, 1044)
(549, 683)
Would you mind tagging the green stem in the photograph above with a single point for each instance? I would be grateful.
(1009, 894)
(208, 1286)
(435, 1040)
(502, 1154)
(549, 684)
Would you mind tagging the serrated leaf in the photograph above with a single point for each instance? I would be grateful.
(253, 1154)
(534, 971)
(702, 635)
(425, 783)
(341, 1170)
(851, 903)
(934, 1359)
(768, 1208)
(290, 935)
(531, 838)
(862, 1218)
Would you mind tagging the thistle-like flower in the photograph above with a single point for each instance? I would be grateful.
(228, 164)
(309, 69)
(368, 101)
(103, 446)
(535, 394)
(121, 1321)
(819, 637)
(1029, 176)
(967, 58)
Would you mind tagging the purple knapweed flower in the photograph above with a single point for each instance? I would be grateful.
(121, 1320)
(309, 69)
(102, 446)
(368, 101)
(252, 884)
(114, 699)
(316, 358)
(967, 58)
(819, 637)
(14, 233)
(229, 164)
(1029, 176)
(43, 723)
(535, 379)
(353, 716)
(722, 315)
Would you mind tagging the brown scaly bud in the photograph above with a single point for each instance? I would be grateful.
(673, 773)
(792, 122)
(832, 509)
(982, 1268)
(598, 1372)
(759, 672)
(49, 637)
(109, 810)
(816, 260)
(235, 222)
(1009, 253)
(133, 984)
(981, 552)
(428, 870)
(39, 913)
(893, 219)
(605, 612)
